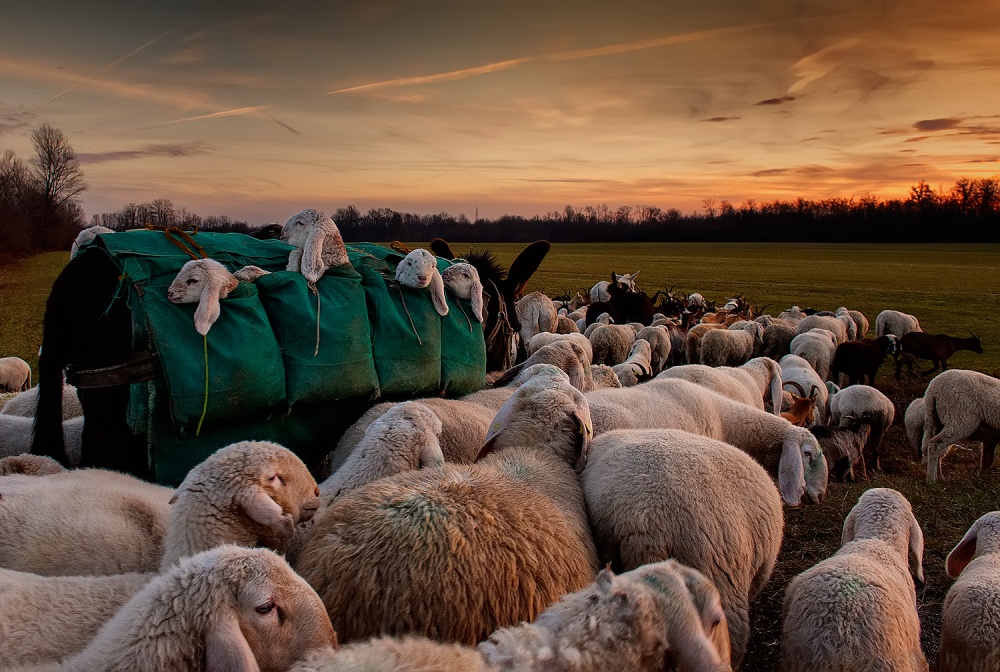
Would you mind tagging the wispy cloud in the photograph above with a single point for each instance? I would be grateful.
(721, 119)
(776, 101)
(173, 151)
(258, 110)
(16, 120)
(928, 125)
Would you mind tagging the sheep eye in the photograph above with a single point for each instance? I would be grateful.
(192, 281)
(265, 608)
(277, 478)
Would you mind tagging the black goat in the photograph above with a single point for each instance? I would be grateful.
(935, 347)
(623, 306)
(860, 359)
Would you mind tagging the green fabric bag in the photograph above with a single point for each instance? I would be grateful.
(463, 349)
(343, 366)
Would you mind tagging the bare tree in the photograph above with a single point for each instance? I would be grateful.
(15, 195)
(60, 180)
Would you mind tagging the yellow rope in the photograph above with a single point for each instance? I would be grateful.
(204, 408)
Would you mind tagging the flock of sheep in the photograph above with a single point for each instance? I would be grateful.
(470, 533)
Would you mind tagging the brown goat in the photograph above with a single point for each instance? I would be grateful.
(801, 412)
(935, 347)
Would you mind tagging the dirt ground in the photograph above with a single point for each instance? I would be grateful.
(945, 511)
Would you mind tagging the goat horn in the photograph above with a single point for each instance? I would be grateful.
(802, 392)
(813, 392)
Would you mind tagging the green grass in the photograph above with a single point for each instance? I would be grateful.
(24, 287)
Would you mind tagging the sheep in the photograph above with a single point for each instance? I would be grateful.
(462, 280)
(731, 347)
(604, 377)
(844, 447)
(791, 453)
(816, 346)
(659, 342)
(567, 355)
(935, 347)
(692, 340)
(25, 404)
(229, 608)
(317, 242)
(564, 325)
(777, 340)
(636, 368)
(15, 375)
(205, 282)
(633, 621)
(960, 405)
(403, 438)
(913, 420)
(857, 610)
(611, 343)
(753, 383)
(896, 323)
(864, 403)
(465, 530)
(547, 338)
(491, 398)
(85, 237)
(536, 313)
(797, 370)
(15, 436)
(793, 315)
(700, 501)
(834, 325)
(599, 292)
(970, 619)
(858, 359)
(860, 321)
(418, 270)
(52, 617)
(29, 465)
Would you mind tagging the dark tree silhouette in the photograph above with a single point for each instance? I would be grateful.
(59, 181)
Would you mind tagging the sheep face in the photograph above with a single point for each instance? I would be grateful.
(418, 269)
(270, 620)
(202, 281)
(463, 281)
(298, 227)
(281, 485)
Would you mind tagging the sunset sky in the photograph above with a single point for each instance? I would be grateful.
(260, 109)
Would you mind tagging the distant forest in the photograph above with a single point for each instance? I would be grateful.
(969, 212)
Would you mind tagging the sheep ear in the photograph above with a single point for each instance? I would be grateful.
(604, 579)
(312, 255)
(791, 479)
(847, 535)
(585, 432)
(431, 455)
(476, 296)
(963, 553)
(260, 508)
(226, 649)
(499, 424)
(437, 293)
(208, 309)
(917, 547)
(775, 386)
(173, 498)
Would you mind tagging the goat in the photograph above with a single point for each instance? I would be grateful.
(860, 359)
(802, 409)
(623, 305)
(844, 447)
(935, 347)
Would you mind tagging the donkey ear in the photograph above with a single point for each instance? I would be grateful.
(441, 248)
(527, 262)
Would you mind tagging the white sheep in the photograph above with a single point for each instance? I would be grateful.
(565, 325)
(816, 346)
(449, 525)
(791, 453)
(857, 610)
(959, 405)
(205, 282)
(701, 501)
(970, 618)
(692, 340)
(229, 608)
(637, 367)
(599, 292)
(659, 342)
(15, 436)
(863, 402)
(29, 465)
(25, 403)
(731, 347)
(85, 237)
(418, 270)
(896, 323)
(611, 343)
(755, 382)
(834, 325)
(793, 315)
(462, 280)
(566, 355)
(913, 420)
(317, 242)
(696, 300)
(860, 321)
(15, 375)
(403, 438)
(545, 338)
(537, 314)
(795, 369)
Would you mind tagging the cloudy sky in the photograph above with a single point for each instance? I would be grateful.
(258, 109)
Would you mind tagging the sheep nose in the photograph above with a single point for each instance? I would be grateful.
(309, 509)
(421, 279)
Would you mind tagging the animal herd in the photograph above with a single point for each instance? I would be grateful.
(613, 500)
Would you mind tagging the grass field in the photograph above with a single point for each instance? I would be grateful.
(950, 288)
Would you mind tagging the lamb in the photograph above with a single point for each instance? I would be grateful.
(960, 405)
(226, 608)
(731, 347)
(449, 525)
(403, 438)
(15, 436)
(636, 368)
(611, 343)
(15, 375)
(816, 346)
(913, 419)
(205, 282)
(418, 270)
(791, 453)
(970, 620)
(857, 610)
(835, 326)
(633, 621)
(536, 313)
(567, 355)
(896, 323)
(638, 521)
(752, 384)
(317, 242)
(777, 340)
(794, 369)
(85, 237)
(25, 404)
(865, 403)
(660, 346)
(462, 280)
(844, 447)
